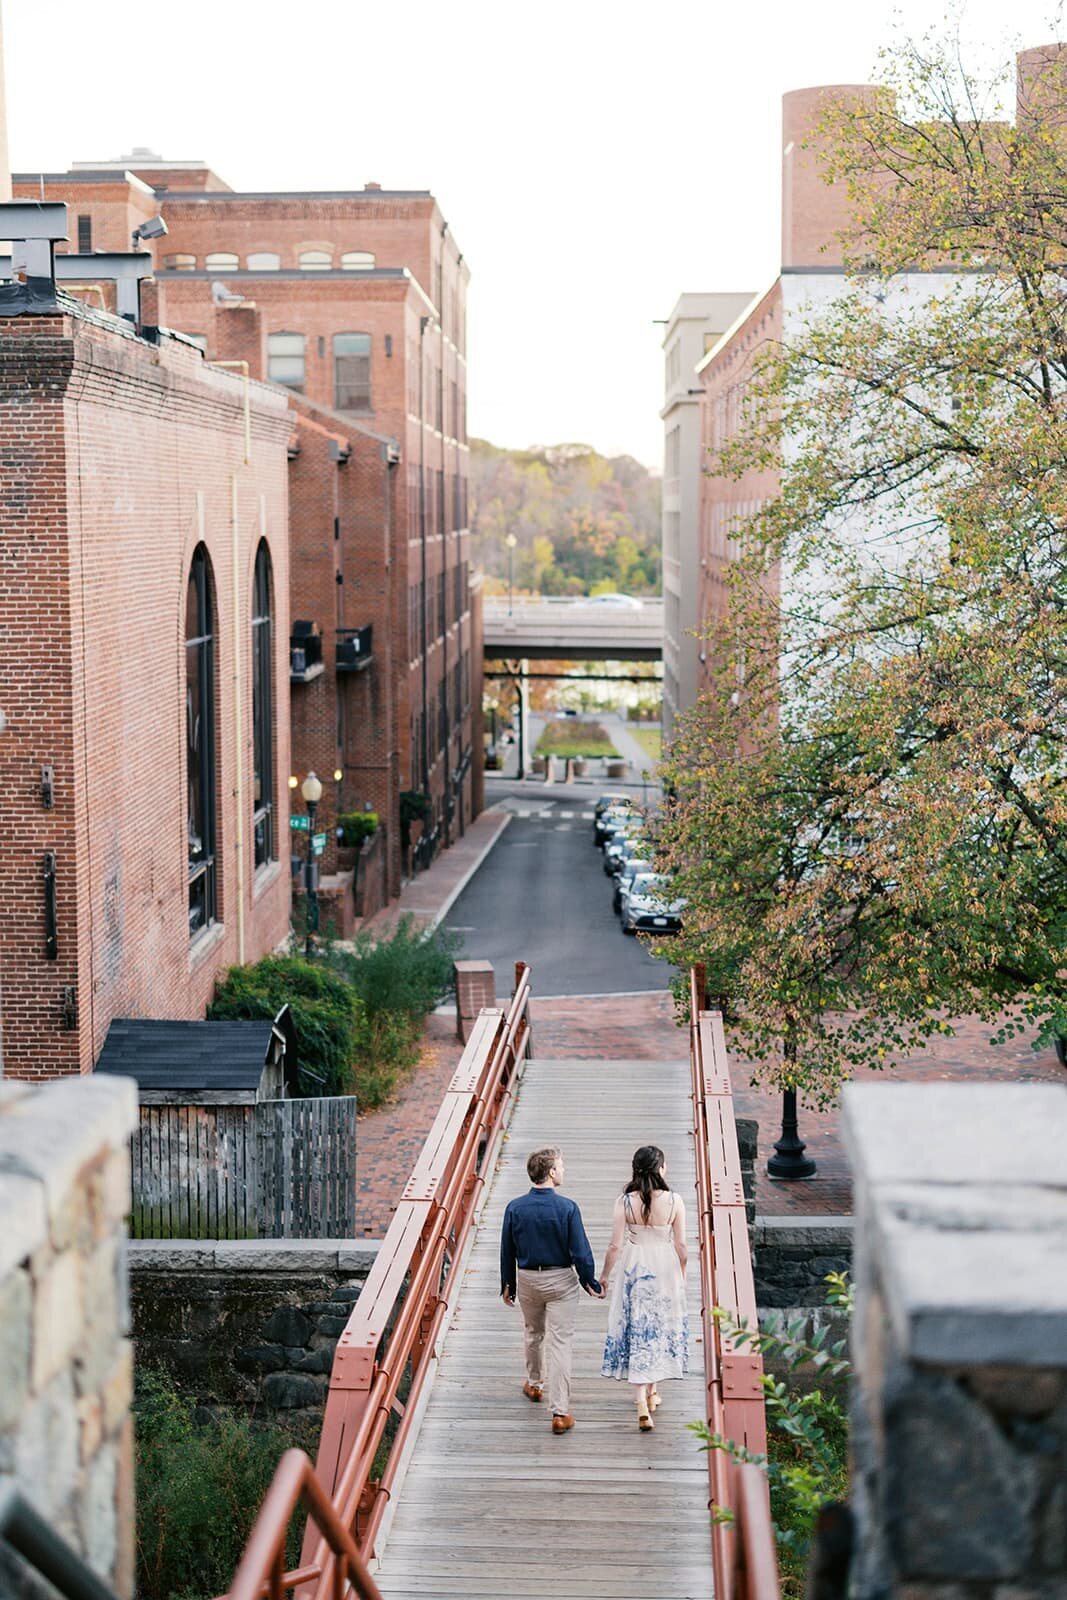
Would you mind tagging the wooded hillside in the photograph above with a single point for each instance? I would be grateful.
(584, 523)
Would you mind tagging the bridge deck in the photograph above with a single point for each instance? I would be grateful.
(494, 1504)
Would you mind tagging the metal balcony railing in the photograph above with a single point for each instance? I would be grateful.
(305, 652)
(354, 648)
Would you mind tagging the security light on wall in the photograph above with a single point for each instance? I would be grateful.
(154, 228)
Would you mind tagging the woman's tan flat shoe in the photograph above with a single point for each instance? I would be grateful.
(644, 1422)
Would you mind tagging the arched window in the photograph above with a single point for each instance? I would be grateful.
(200, 742)
(181, 263)
(351, 371)
(358, 260)
(316, 260)
(285, 359)
(262, 711)
(221, 261)
(263, 261)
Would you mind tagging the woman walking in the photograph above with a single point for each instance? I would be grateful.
(643, 1277)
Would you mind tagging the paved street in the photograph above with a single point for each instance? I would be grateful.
(541, 896)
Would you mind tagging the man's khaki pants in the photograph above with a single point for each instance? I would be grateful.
(549, 1305)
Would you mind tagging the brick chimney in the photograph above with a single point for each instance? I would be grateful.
(813, 212)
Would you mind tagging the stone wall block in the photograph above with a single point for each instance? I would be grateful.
(97, 1509)
(288, 1326)
(57, 1314)
(117, 1393)
(959, 1498)
(292, 1391)
(103, 1315)
(16, 1337)
(46, 1452)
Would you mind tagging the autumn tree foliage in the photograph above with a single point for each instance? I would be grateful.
(870, 812)
(582, 522)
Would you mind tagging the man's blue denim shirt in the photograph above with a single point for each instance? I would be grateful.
(542, 1228)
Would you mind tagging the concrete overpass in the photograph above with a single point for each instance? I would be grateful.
(572, 630)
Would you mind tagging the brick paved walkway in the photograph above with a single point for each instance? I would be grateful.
(641, 1027)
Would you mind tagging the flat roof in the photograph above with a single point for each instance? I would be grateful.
(200, 196)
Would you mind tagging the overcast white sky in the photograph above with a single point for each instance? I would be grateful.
(594, 158)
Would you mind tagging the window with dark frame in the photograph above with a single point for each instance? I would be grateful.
(351, 372)
(200, 743)
(85, 235)
(262, 711)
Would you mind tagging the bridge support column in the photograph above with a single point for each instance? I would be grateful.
(520, 714)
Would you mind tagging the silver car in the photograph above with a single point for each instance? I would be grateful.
(650, 908)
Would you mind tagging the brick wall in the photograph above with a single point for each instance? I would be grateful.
(136, 455)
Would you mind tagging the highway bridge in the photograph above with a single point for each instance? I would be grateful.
(435, 1477)
(545, 629)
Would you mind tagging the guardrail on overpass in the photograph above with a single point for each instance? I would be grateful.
(545, 629)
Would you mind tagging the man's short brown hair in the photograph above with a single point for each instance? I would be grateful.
(540, 1163)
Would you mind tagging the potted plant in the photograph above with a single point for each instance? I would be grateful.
(353, 829)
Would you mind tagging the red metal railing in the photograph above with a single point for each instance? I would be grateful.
(390, 1336)
(743, 1551)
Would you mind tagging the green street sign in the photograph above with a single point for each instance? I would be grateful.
(298, 824)
(318, 843)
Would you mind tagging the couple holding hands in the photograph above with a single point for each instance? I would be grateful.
(545, 1256)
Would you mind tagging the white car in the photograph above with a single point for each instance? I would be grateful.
(627, 600)
(649, 908)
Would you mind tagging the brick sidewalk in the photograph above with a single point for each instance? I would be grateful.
(641, 1027)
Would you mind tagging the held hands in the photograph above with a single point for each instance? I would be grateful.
(597, 1293)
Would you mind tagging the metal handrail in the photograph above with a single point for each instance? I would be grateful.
(743, 1550)
(392, 1330)
(46, 1551)
(262, 1568)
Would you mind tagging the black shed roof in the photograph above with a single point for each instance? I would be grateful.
(188, 1055)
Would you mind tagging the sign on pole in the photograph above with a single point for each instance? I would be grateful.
(298, 824)
(318, 843)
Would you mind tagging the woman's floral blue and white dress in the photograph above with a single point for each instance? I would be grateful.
(648, 1325)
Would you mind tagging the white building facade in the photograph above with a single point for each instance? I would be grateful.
(694, 326)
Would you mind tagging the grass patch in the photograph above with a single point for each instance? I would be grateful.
(650, 740)
(199, 1486)
(569, 737)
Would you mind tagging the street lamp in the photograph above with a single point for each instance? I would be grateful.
(789, 1160)
(511, 542)
(311, 789)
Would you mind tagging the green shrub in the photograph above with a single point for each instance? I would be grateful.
(410, 971)
(199, 1487)
(569, 737)
(355, 827)
(326, 1013)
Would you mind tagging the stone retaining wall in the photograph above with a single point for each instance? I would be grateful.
(65, 1361)
(246, 1323)
(793, 1255)
(959, 1417)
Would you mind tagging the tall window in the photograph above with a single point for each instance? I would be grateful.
(357, 261)
(351, 371)
(262, 712)
(263, 261)
(285, 359)
(316, 260)
(200, 742)
(85, 235)
(221, 261)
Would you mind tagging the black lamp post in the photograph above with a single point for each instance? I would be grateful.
(311, 789)
(789, 1160)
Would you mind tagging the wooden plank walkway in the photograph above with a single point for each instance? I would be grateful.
(493, 1503)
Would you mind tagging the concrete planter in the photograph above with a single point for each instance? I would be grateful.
(580, 766)
(538, 766)
(616, 769)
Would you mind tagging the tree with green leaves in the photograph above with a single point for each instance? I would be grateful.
(870, 812)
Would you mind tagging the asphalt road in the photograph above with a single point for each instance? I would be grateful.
(542, 896)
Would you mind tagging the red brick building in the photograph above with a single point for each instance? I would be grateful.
(144, 810)
(355, 301)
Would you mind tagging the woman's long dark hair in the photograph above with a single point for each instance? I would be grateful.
(647, 1176)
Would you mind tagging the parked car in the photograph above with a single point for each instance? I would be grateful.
(650, 908)
(630, 868)
(610, 812)
(610, 822)
(623, 844)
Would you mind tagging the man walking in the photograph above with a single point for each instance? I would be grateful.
(544, 1256)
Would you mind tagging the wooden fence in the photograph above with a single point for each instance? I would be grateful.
(281, 1169)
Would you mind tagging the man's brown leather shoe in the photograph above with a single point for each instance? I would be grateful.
(562, 1424)
(532, 1391)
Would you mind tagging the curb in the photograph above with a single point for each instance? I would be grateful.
(454, 894)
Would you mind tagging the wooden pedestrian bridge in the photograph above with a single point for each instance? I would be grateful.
(435, 1476)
